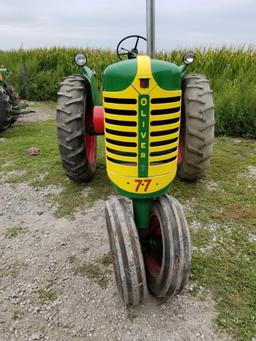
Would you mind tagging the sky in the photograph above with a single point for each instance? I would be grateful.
(102, 23)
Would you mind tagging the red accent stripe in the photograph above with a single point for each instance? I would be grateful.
(98, 120)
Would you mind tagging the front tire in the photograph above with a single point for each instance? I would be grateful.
(197, 128)
(126, 252)
(5, 110)
(74, 114)
(168, 251)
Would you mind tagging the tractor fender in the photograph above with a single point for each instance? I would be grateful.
(89, 75)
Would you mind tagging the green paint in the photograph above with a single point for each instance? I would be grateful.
(4, 73)
(119, 76)
(16, 109)
(141, 210)
(91, 79)
(167, 75)
(143, 138)
(140, 195)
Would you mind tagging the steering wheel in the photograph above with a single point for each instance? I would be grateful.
(131, 54)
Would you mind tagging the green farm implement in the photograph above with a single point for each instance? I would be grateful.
(10, 106)
(158, 120)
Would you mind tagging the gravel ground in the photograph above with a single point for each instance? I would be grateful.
(44, 295)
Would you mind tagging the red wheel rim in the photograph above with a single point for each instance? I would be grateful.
(180, 153)
(154, 256)
(90, 142)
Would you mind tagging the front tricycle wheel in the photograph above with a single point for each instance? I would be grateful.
(167, 253)
(126, 252)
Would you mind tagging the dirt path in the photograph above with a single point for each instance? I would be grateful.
(56, 282)
(38, 111)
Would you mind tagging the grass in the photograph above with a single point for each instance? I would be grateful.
(12, 270)
(224, 257)
(131, 315)
(106, 259)
(13, 232)
(221, 207)
(92, 271)
(46, 295)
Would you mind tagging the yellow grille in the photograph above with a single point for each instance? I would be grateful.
(163, 131)
(123, 134)
(121, 131)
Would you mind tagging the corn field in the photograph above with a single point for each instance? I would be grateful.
(36, 74)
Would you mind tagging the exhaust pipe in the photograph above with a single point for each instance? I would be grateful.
(151, 28)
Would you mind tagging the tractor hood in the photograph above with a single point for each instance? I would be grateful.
(119, 76)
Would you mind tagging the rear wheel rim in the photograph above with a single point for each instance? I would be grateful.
(180, 154)
(90, 141)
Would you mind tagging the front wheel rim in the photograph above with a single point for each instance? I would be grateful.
(153, 254)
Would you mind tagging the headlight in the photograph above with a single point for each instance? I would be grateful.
(188, 58)
(80, 59)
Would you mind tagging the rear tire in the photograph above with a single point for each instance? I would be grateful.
(15, 101)
(197, 128)
(126, 252)
(5, 110)
(168, 252)
(74, 114)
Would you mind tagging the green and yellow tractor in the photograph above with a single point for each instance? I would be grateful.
(158, 120)
(10, 106)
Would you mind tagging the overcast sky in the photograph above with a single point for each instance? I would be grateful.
(102, 23)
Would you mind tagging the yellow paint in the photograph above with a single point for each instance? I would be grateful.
(129, 184)
(124, 175)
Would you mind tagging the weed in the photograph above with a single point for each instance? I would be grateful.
(46, 294)
(106, 259)
(131, 315)
(13, 231)
(13, 270)
(93, 271)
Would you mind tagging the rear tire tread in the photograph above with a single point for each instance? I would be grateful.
(198, 135)
(73, 103)
(5, 110)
